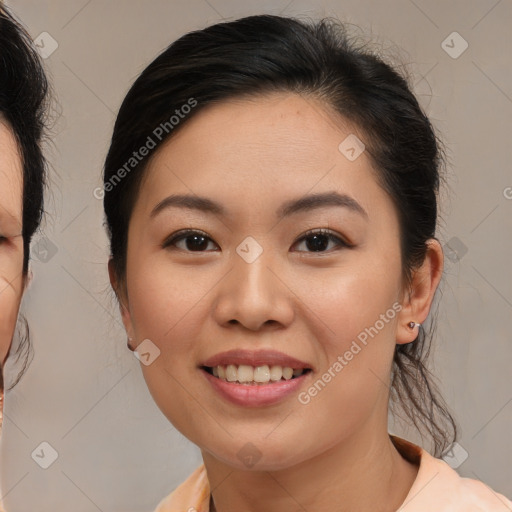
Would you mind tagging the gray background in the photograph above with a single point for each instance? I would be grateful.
(84, 393)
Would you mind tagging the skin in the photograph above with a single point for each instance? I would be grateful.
(12, 280)
(252, 155)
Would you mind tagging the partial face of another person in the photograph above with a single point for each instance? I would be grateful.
(11, 241)
(256, 274)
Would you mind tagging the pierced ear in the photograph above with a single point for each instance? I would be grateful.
(122, 298)
(418, 298)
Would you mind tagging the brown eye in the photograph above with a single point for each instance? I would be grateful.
(318, 240)
(194, 241)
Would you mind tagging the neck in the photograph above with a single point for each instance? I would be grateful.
(364, 472)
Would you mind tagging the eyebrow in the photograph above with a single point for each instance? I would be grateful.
(291, 207)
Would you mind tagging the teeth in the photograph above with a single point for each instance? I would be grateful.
(245, 373)
(276, 372)
(231, 373)
(287, 373)
(264, 374)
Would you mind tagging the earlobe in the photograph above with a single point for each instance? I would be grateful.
(127, 322)
(424, 283)
(129, 344)
(123, 303)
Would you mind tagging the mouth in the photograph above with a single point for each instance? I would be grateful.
(254, 375)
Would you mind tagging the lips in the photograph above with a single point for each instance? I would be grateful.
(256, 358)
(256, 394)
(255, 378)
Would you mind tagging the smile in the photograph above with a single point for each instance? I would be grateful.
(255, 386)
(254, 375)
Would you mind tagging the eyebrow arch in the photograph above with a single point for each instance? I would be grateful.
(303, 204)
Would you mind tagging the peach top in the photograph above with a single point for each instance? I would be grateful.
(437, 488)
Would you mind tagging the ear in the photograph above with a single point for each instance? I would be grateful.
(122, 298)
(27, 280)
(418, 299)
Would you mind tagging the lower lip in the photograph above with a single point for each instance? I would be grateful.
(255, 395)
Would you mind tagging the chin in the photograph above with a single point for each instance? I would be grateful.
(255, 454)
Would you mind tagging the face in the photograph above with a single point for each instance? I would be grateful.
(273, 274)
(11, 242)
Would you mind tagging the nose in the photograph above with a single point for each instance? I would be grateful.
(254, 295)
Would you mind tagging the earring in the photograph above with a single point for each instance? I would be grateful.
(128, 344)
(412, 325)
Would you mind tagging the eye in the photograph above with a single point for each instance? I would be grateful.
(194, 241)
(318, 240)
(197, 241)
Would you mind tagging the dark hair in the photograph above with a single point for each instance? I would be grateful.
(263, 54)
(23, 106)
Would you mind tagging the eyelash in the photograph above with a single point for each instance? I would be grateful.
(182, 235)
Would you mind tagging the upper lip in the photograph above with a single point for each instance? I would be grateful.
(254, 358)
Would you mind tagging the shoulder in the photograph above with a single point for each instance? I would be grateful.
(191, 496)
(439, 487)
(484, 497)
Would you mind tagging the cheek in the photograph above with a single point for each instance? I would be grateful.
(167, 308)
(165, 301)
(355, 316)
(351, 299)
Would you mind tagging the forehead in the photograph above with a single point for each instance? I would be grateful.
(264, 124)
(11, 177)
(278, 136)
(282, 143)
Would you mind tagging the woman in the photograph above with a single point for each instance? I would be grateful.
(23, 96)
(271, 201)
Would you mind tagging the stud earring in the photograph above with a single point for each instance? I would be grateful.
(128, 344)
(412, 325)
